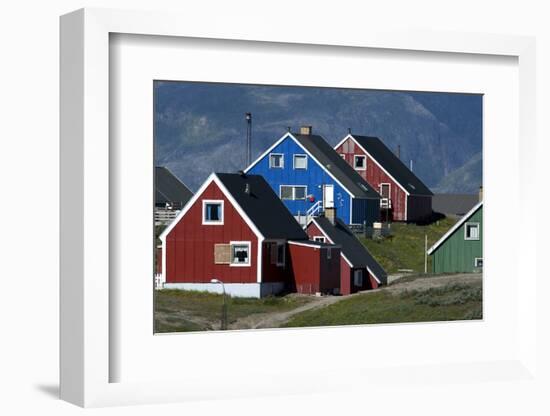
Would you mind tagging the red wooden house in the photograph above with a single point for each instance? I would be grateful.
(236, 230)
(404, 196)
(358, 269)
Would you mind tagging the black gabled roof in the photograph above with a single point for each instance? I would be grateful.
(334, 163)
(455, 204)
(339, 233)
(393, 165)
(170, 189)
(264, 208)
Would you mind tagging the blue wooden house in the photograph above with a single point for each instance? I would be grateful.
(309, 176)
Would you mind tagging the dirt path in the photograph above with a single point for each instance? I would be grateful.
(425, 283)
(275, 320)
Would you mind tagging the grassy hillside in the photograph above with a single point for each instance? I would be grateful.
(404, 249)
(451, 302)
(184, 310)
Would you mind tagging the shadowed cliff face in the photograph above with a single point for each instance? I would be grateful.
(200, 128)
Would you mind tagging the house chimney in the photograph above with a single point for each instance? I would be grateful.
(480, 194)
(247, 189)
(305, 130)
(330, 214)
(398, 153)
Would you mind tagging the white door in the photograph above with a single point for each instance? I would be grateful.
(328, 196)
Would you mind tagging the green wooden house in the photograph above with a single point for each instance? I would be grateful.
(460, 250)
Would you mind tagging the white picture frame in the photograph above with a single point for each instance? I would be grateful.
(86, 165)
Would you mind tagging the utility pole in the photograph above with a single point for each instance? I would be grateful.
(425, 253)
(248, 117)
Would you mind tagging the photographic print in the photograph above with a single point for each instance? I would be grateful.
(288, 206)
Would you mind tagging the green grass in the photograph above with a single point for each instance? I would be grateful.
(448, 303)
(404, 249)
(181, 311)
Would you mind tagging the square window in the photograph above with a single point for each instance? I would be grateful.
(360, 162)
(478, 262)
(300, 161)
(291, 192)
(240, 254)
(276, 160)
(280, 254)
(299, 192)
(286, 192)
(358, 278)
(471, 231)
(212, 212)
(277, 254)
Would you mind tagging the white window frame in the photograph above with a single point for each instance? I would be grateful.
(355, 277)
(241, 243)
(293, 192)
(319, 239)
(466, 231)
(389, 190)
(294, 161)
(364, 163)
(282, 161)
(213, 201)
(475, 262)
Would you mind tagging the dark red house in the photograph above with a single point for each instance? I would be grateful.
(358, 269)
(236, 230)
(404, 196)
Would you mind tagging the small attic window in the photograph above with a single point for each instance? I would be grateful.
(276, 160)
(212, 212)
(360, 162)
(471, 231)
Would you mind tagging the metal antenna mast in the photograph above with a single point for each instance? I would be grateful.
(248, 117)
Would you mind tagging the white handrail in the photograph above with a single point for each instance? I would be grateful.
(315, 208)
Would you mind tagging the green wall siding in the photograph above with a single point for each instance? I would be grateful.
(457, 254)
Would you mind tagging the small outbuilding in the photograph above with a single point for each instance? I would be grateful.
(358, 268)
(460, 250)
(315, 267)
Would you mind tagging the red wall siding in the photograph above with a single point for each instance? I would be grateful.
(345, 278)
(374, 176)
(330, 269)
(312, 271)
(272, 272)
(190, 245)
(373, 283)
(305, 265)
(314, 231)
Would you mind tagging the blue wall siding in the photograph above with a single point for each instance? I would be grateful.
(365, 210)
(313, 177)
